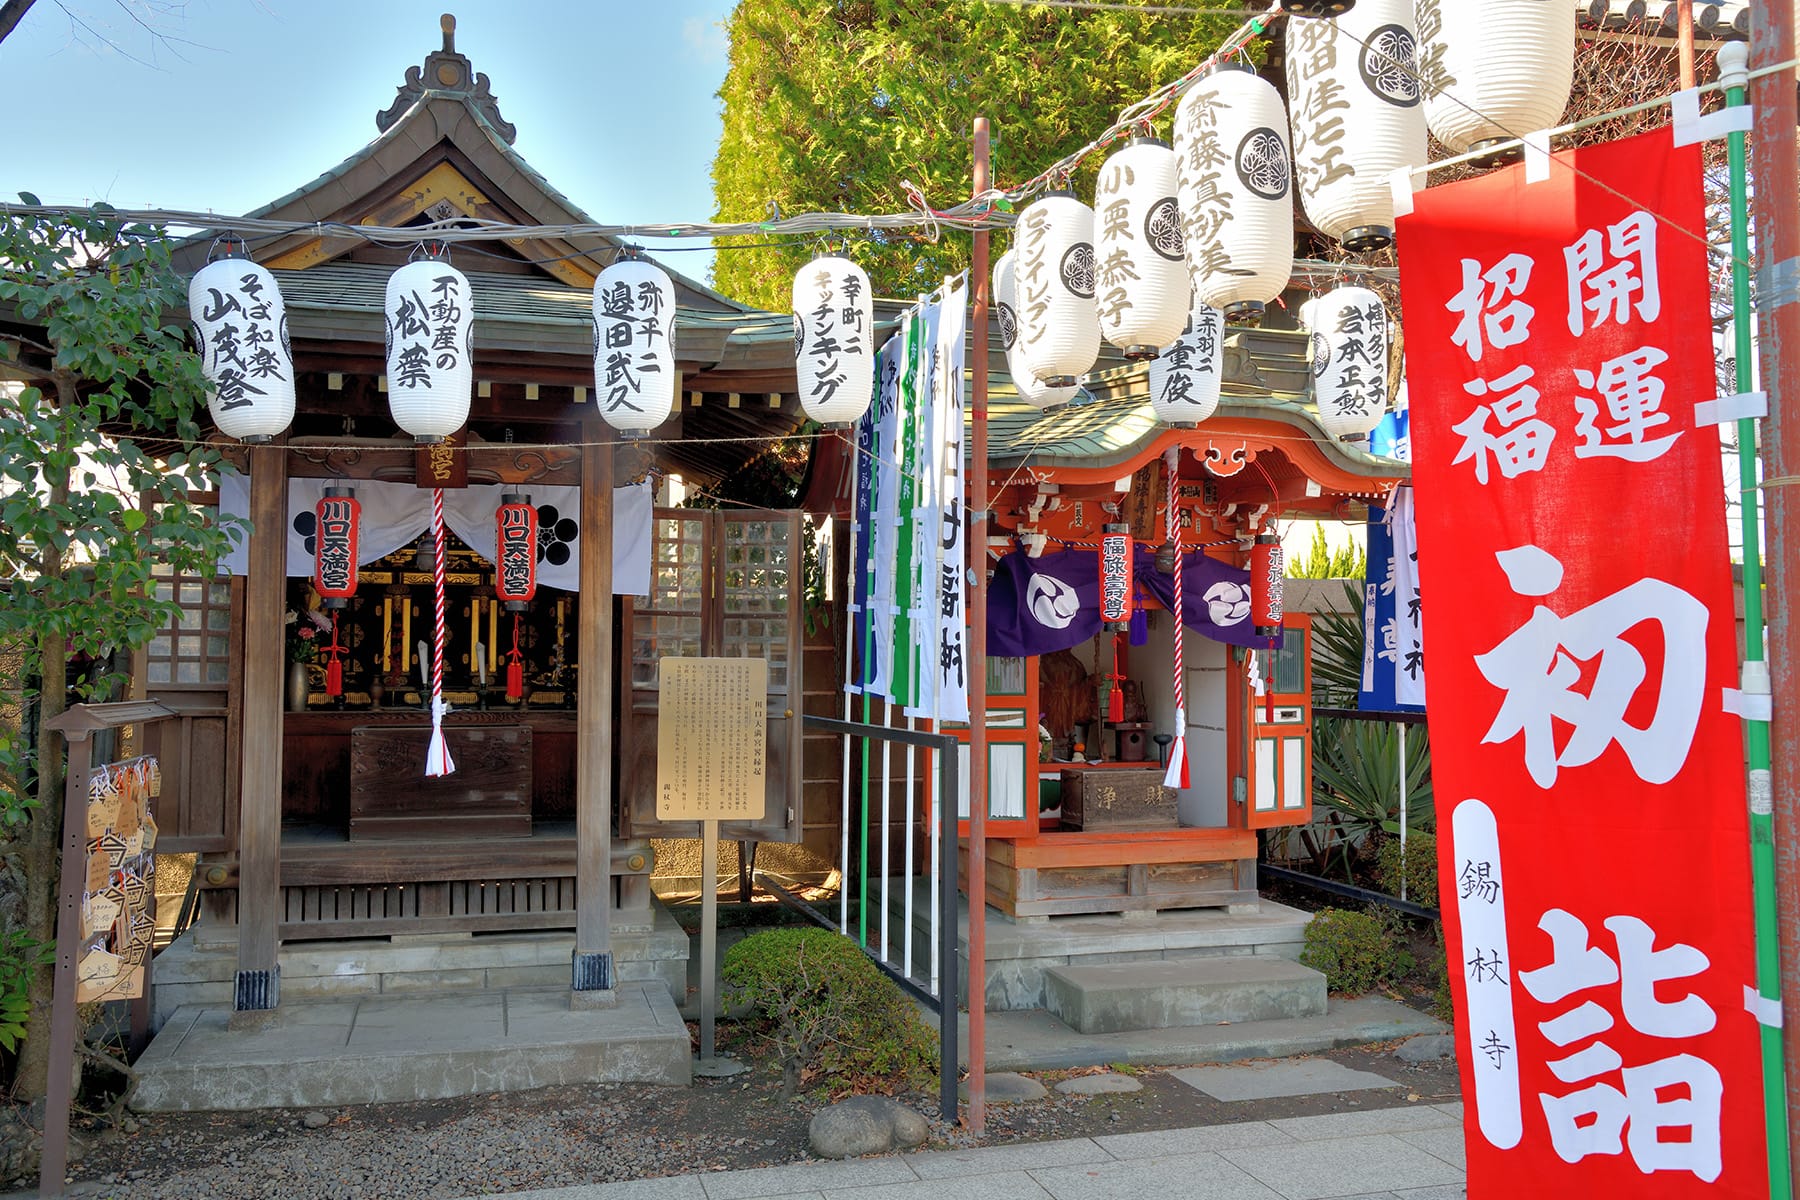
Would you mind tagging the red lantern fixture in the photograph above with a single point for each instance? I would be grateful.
(1115, 575)
(515, 561)
(336, 519)
(1268, 572)
(515, 574)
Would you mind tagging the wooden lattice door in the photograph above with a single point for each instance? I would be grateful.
(722, 585)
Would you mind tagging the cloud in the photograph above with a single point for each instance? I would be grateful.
(704, 39)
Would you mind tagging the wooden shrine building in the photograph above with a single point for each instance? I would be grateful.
(311, 817)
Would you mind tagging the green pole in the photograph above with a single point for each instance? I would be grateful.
(1733, 72)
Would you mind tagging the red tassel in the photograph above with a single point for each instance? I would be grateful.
(1115, 703)
(334, 666)
(515, 666)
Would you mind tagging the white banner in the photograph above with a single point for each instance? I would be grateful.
(1409, 664)
(396, 514)
(949, 590)
(924, 612)
(886, 519)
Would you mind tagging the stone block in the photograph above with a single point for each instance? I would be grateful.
(468, 980)
(1170, 994)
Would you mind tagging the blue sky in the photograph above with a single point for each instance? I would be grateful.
(244, 100)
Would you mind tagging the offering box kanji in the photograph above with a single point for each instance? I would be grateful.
(488, 795)
(1109, 797)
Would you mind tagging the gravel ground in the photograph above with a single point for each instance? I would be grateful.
(573, 1135)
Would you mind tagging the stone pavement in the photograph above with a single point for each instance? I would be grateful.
(1414, 1152)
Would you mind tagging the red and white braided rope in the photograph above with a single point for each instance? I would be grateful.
(437, 756)
(1177, 774)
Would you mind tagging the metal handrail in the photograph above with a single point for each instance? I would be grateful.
(949, 787)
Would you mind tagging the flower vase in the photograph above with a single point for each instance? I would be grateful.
(299, 684)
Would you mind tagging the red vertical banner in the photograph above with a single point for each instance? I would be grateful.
(1594, 850)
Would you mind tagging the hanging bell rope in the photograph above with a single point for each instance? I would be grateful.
(437, 755)
(1177, 774)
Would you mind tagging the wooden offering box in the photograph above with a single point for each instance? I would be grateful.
(1124, 796)
(488, 795)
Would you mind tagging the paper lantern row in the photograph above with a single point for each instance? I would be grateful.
(240, 329)
(1207, 224)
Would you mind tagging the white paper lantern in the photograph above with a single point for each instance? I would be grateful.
(1140, 272)
(1185, 377)
(1231, 151)
(1494, 70)
(241, 332)
(430, 348)
(634, 345)
(1317, 8)
(1350, 361)
(834, 323)
(1006, 318)
(1356, 118)
(1059, 329)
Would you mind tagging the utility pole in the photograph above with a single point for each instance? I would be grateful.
(977, 668)
(1778, 289)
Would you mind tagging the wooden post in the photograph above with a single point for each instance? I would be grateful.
(59, 1089)
(592, 969)
(978, 743)
(259, 827)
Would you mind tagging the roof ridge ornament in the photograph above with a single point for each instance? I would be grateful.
(448, 73)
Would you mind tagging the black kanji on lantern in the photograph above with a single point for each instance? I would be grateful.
(335, 524)
(515, 560)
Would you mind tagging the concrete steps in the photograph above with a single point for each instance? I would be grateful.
(1021, 951)
(375, 1049)
(1171, 993)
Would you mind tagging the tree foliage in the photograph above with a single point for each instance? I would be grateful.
(87, 321)
(830, 104)
(1349, 561)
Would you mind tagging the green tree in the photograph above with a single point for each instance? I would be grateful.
(830, 104)
(86, 511)
(1349, 561)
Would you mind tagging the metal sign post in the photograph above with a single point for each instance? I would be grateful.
(712, 737)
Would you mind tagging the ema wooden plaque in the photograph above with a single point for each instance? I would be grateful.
(712, 739)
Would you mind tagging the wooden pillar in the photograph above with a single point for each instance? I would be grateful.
(259, 825)
(592, 971)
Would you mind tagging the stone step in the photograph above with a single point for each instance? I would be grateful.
(379, 1049)
(1170, 993)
